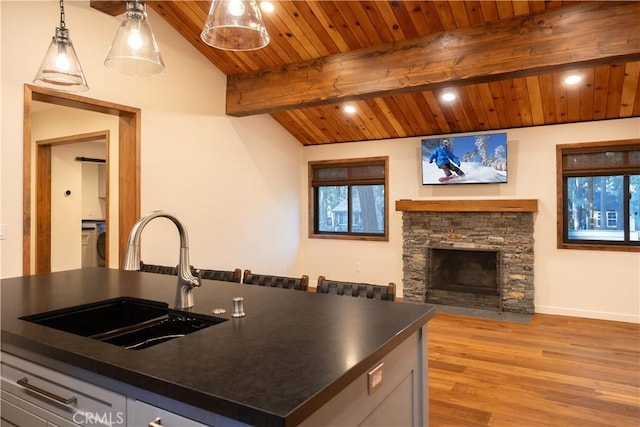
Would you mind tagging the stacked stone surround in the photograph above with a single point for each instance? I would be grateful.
(511, 233)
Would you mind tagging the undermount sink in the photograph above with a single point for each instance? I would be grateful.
(127, 322)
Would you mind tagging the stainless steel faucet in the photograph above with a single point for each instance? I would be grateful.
(186, 280)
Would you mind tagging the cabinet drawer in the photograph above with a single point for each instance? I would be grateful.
(19, 412)
(70, 398)
(143, 414)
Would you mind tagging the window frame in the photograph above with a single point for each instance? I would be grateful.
(367, 161)
(561, 185)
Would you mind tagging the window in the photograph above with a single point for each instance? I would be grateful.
(348, 199)
(599, 202)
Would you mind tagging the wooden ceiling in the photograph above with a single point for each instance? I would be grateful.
(392, 60)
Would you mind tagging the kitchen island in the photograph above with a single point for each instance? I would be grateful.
(296, 358)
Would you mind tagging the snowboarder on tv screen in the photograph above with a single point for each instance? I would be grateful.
(445, 159)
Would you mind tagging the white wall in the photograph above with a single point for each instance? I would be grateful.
(598, 284)
(233, 182)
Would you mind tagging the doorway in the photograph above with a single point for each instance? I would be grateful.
(52, 223)
(36, 254)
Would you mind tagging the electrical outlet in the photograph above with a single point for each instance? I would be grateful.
(3, 231)
(357, 267)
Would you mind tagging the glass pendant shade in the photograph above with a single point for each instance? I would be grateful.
(235, 25)
(60, 68)
(134, 50)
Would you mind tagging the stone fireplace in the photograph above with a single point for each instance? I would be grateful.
(469, 253)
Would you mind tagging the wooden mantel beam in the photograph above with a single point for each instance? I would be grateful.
(585, 34)
(471, 205)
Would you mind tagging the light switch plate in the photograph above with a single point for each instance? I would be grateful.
(374, 378)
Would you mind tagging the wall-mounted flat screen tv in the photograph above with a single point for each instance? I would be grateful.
(471, 159)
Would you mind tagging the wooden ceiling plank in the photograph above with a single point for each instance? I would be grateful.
(400, 116)
(522, 101)
(418, 16)
(368, 131)
(500, 105)
(408, 109)
(332, 11)
(301, 133)
(383, 107)
(511, 100)
(299, 19)
(377, 21)
(377, 124)
(332, 33)
(520, 8)
(364, 21)
(489, 106)
(489, 11)
(428, 126)
(616, 80)
(319, 121)
(629, 88)
(586, 94)
(316, 27)
(295, 39)
(535, 100)
(431, 15)
(560, 97)
(505, 9)
(548, 101)
(536, 5)
(469, 55)
(389, 17)
(403, 17)
(636, 104)
(465, 117)
(573, 103)
(438, 115)
(474, 12)
(601, 82)
(355, 26)
(446, 16)
(476, 107)
(459, 13)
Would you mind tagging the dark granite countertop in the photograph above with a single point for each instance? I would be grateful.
(286, 358)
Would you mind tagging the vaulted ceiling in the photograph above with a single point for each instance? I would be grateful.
(392, 60)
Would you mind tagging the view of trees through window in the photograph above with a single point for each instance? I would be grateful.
(356, 209)
(349, 198)
(600, 204)
(596, 208)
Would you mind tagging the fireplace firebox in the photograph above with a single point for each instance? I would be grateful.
(467, 277)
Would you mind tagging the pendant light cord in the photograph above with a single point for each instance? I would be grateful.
(62, 25)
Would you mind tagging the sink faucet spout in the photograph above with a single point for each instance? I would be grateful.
(186, 280)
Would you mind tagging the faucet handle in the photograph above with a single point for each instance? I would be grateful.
(197, 280)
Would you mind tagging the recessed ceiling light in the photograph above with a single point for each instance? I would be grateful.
(573, 79)
(267, 6)
(448, 96)
(349, 109)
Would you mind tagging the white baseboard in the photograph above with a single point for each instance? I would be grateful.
(589, 314)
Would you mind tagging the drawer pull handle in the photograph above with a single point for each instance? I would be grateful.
(155, 423)
(24, 382)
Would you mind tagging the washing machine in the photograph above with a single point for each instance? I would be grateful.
(101, 239)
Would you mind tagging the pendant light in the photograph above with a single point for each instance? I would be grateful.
(60, 68)
(134, 49)
(235, 25)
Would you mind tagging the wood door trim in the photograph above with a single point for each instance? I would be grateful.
(129, 130)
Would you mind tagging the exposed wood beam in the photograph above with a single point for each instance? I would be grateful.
(113, 8)
(586, 34)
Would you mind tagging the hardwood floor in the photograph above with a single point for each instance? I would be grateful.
(556, 371)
